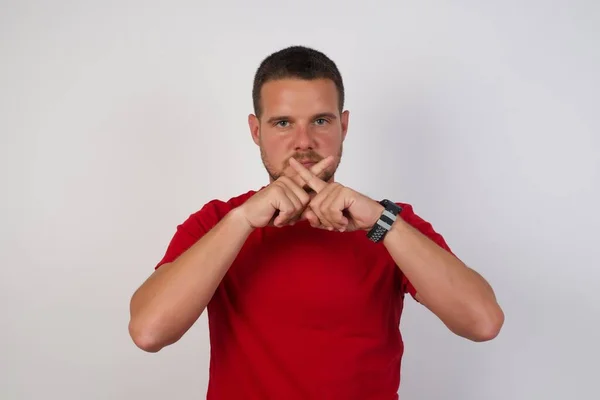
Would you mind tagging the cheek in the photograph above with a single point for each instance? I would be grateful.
(278, 140)
(276, 150)
(273, 145)
(331, 143)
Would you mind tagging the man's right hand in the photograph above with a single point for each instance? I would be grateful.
(282, 202)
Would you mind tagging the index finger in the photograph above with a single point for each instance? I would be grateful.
(321, 166)
(316, 169)
(310, 177)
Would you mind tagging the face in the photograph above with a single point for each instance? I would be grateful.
(300, 119)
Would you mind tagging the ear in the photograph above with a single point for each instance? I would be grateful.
(344, 121)
(254, 125)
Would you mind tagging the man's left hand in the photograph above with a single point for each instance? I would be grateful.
(336, 207)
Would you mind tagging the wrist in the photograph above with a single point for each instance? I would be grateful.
(378, 209)
(238, 217)
(399, 228)
(388, 214)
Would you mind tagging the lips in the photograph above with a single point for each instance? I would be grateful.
(307, 163)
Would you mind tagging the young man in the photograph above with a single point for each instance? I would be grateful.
(304, 280)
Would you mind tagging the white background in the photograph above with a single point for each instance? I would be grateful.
(118, 119)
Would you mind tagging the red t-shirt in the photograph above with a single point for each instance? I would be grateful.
(303, 313)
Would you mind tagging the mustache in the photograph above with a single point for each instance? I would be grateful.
(309, 156)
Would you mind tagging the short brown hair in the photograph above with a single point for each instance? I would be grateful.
(296, 62)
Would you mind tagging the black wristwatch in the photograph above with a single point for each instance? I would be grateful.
(385, 221)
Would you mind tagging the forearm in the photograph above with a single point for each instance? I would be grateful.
(458, 295)
(176, 294)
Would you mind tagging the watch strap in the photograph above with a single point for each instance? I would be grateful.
(385, 221)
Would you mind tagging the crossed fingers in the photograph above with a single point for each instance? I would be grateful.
(310, 177)
(325, 210)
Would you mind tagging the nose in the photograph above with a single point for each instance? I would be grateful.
(303, 137)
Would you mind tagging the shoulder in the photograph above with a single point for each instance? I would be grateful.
(215, 209)
(409, 215)
(199, 223)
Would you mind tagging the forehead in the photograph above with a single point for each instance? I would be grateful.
(299, 96)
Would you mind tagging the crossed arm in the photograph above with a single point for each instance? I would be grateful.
(460, 297)
(171, 300)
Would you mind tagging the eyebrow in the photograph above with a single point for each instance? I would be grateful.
(317, 116)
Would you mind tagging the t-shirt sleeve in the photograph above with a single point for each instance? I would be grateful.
(426, 229)
(192, 229)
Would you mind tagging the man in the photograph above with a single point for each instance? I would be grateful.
(304, 280)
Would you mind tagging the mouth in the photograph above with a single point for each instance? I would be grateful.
(307, 163)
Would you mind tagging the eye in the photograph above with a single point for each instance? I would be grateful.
(321, 121)
(282, 124)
